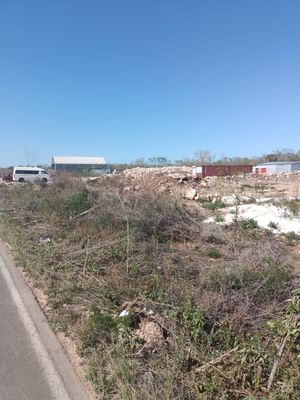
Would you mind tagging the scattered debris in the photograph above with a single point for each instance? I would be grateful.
(43, 241)
(151, 332)
(149, 325)
(124, 313)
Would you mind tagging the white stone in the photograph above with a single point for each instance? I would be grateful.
(191, 194)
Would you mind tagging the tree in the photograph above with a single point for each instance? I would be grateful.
(139, 162)
(159, 161)
(204, 156)
(30, 157)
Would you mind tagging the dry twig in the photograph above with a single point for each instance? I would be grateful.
(216, 360)
(276, 362)
(127, 232)
(86, 212)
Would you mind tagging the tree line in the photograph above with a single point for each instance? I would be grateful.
(202, 157)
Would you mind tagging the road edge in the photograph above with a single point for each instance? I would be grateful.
(56, 352)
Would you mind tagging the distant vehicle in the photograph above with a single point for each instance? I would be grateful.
(8, 177)
(30, 174)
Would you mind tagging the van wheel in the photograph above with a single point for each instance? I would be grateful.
(21, 180)
(44, 180)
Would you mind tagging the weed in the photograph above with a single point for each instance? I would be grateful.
(214, 253)
(219, 218)
(245, 186)
(76, 204)
(201, 200)
(248, 223)
(273, 225)
(268, 232)
(268, 280)
(261, 188)
(293, 206)
(291, 237)
(214, 205)
(193, 319)
(101, 327)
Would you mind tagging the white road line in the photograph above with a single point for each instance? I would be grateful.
(55, 382)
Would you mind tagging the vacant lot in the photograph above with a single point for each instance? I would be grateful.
(160, 304)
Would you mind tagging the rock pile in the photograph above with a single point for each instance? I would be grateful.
(139, 172)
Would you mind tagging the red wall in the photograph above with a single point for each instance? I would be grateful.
(224, 170)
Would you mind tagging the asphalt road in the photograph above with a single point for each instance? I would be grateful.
(33, 365)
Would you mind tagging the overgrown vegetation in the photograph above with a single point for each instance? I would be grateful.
(160, 305)
(211, 205)
(293, 206)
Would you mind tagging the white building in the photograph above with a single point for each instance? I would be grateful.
(277, 167)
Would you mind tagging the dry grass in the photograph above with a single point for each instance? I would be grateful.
(217, 294)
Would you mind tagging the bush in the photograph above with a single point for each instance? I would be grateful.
(77, 204)
(265, 281)
(291, 237)
(273, 225)
(192, 318)
(214, 253)
(214, 205)
(248, 223)
(293, 206)
(219, 218)
(102, 327)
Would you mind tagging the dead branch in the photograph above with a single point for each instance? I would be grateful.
(127, 232)
(276, 362)
(103, 244)
(216, 360)
(86, 255)
(86, 212)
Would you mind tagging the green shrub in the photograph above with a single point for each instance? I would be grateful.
(267, 280)
(77, 204)
(201, 200)
(291, 237)
(214, 205)
(214, 253)
(268, 232)
(193, 319)
(293, 206)
(248, 223)
(273, 225)
(219, 218)
(211, 205)
(101, 326)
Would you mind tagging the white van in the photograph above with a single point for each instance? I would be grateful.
(29, 174)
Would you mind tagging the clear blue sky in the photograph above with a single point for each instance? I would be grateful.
(126, 79)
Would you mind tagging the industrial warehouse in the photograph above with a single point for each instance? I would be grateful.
(95, 165)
